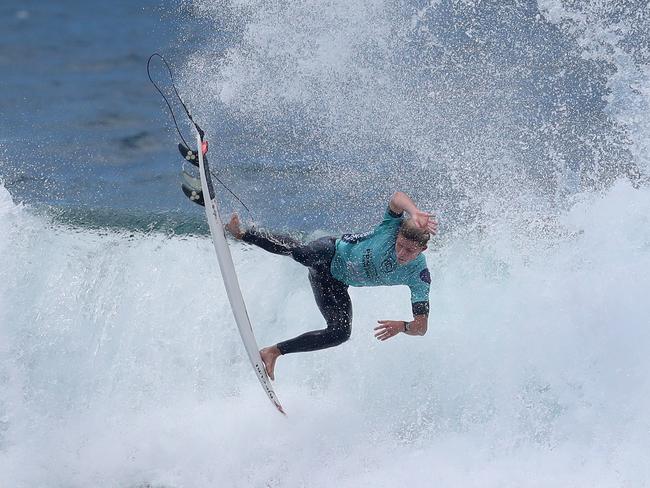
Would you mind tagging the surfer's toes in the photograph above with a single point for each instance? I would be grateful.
(269, 370)
(268, 358)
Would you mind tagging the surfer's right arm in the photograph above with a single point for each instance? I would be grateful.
(401, 202)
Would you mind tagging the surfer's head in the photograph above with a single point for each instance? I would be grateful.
(411, 241)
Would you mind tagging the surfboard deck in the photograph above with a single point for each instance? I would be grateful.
(229, 276)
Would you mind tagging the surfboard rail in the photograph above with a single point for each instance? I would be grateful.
(230, 280)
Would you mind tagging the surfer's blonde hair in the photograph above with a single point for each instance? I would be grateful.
(410, 230)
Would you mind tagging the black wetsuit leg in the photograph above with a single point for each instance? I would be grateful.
(316, 253)
(331, 295)
(277, 244)
(334, 303)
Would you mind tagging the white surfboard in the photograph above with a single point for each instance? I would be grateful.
(230, 278)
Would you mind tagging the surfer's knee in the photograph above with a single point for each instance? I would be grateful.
(315, 253)
(301, 254)
(339, 335)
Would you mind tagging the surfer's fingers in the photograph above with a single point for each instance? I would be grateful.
(422, 219)
(385, 334)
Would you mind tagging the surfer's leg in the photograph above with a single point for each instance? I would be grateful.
(314, 254)
(334, 303)
(274, 243)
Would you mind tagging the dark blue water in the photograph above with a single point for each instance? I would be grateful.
(81, 125)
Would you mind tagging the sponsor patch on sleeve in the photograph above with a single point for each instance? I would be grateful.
(420, 308)
(425, 276)
(395, 215)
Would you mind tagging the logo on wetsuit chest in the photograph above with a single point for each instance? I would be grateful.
(388, 265)
(368, 266)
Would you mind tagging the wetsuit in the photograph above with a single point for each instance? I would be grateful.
(353, 260)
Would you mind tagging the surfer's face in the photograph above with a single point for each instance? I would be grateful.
(406, 249)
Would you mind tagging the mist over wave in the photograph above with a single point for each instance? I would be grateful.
(526, 127)
(458, 103)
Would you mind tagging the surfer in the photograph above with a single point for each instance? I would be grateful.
(391, 254)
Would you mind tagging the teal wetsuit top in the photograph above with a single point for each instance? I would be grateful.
(369, 259)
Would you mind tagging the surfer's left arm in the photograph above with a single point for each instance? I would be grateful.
(390, 328)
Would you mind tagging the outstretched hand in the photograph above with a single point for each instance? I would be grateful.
(388, 329)
(426, 221)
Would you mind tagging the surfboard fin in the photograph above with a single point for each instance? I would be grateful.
(193, 194)
(190, 155)
(190, 180)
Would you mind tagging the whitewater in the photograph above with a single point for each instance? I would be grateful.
(119, 370)
(120, 363)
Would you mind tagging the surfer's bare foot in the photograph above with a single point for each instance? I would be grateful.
(233, 227)
(269, 356)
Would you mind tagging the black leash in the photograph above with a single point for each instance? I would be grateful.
(189, 116)
(169, 106)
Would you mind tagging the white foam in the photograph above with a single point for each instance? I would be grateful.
(117, 370)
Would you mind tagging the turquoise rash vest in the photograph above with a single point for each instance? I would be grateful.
(369, 259)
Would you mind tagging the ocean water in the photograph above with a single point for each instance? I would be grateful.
(525, 126)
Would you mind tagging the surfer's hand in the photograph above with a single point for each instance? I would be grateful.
(388, 328)
(426, 221)
(233, 227)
